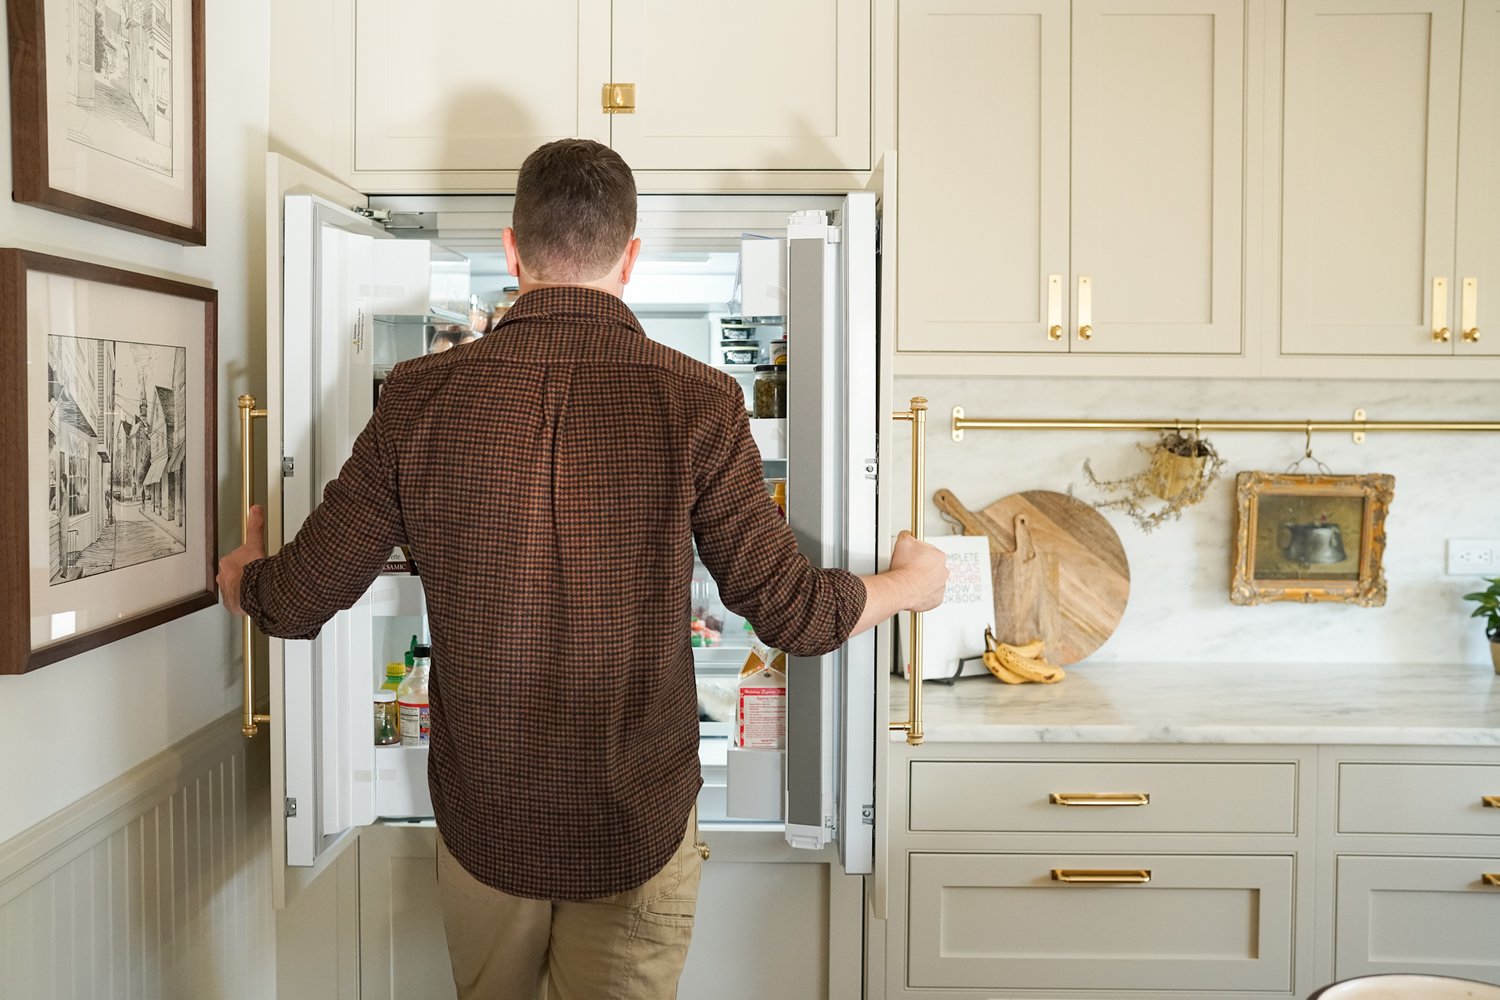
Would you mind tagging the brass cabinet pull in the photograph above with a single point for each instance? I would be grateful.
(1102, 876)
(918, 417)
(1490, 878)
(1054, 307)
(702, 849)
(250, 726)
(618, 99)
(1085, 307)
(1100, 798)
(1440, 332)
(1490, 801)
(1468, 318)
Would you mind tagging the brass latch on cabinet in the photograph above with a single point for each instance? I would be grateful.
(619, 99)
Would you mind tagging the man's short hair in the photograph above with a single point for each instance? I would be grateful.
(574, 210)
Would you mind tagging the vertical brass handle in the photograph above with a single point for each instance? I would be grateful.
(248, 413)
(1440, 332)
(1054, 307)
(1468, 311)
(1103, 876)
(1085, 307)
(918, 417)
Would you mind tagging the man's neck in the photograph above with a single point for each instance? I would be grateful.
(602, 285)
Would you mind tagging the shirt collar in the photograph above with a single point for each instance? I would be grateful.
(571, 302)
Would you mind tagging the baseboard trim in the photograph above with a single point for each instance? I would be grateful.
(41, 850)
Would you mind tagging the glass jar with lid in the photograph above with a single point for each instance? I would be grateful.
(770, 391)
(387, 729)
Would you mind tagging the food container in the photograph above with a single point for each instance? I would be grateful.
(387, 728)
(770, 391)
(778, 351)
(741, 352)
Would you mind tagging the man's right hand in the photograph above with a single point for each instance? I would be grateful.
(924, 571)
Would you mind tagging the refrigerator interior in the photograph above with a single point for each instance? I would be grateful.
(690, 292)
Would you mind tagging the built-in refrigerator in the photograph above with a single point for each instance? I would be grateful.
(365, 282)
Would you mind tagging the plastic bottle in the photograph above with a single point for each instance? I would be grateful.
(395, 673)
(411, 699)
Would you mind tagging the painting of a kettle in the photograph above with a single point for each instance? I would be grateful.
(1311, 544)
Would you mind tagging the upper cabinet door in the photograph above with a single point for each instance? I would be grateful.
(983, 131)
(524, 74)
(728, 85)
(1476, 320)
(1369, 168)
(1157, 156)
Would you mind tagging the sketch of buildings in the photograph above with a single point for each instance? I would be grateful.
(120, 73)
(116, 447)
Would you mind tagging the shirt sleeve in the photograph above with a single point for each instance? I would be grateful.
(748, 547)
(337, 552)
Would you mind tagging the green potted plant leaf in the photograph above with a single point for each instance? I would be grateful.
(1489, 609)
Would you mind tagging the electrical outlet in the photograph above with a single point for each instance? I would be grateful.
(1473, 556)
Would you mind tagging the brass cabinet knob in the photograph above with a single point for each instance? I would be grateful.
(1442, 335)
(1054, 332)
(1471, 335)
(1085, 332)
(702, 849)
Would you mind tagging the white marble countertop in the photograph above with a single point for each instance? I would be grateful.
(1260, 703)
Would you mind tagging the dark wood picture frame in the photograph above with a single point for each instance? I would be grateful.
(17, 653)
(1288, 524)
(30, 166)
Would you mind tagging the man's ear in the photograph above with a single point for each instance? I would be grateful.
(512, 254)
(627, 265)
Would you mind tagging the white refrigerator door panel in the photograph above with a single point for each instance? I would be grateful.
(330, 287)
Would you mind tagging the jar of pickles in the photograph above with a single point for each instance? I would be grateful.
(770, 391)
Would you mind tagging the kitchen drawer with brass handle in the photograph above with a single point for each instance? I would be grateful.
(1116, 797)
(1438, 799)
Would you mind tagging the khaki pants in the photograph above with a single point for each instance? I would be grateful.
(626, 947)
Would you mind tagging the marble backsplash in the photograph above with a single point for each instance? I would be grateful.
(1447, 486)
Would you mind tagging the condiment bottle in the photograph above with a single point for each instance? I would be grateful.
(411, 699)
(778, 494)
(385, 718)
(395, 673)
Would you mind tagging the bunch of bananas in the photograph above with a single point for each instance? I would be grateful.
(1019, 664)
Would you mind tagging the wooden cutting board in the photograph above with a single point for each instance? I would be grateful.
(1059, 569)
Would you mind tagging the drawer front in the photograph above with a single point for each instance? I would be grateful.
(1001, 920)
(1427, 915)
(1028, 796)
(1420, 798)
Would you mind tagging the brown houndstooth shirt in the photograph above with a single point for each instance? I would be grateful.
(550, 480)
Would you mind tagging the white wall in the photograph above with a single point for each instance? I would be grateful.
(1179, 611)
(68, 728)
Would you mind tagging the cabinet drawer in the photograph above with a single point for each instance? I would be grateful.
(1001, 920)
(1420, 798)
(1429, 915)
(1018, 796)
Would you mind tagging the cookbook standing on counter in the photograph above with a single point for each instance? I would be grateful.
(545, 497)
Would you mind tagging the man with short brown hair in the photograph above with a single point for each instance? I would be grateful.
(551, 480)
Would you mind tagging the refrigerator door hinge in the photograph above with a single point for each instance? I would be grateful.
(291, 807)
(835, 235)
(288, 467)
(867, 814)
(380, 215)
(872, 469)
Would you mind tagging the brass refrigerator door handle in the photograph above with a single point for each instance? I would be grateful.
(251, 724)
(1102, 876)
(1490, 878)
(918, 417)
(1490, 801)
(1099, 798)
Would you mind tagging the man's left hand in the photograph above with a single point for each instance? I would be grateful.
(232, 566)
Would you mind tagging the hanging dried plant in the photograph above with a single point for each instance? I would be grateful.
(1181, 469)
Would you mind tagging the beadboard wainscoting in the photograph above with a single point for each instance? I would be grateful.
(154, 886)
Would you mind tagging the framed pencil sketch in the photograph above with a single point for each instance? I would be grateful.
(107, 102)
(109, 527)
(1310, 538)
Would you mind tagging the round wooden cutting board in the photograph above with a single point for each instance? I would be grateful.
(1059, 570)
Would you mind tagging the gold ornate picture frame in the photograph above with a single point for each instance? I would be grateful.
(1310, 538)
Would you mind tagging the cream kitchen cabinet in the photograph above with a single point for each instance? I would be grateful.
(780, 85)
(1072, 180)
(1390, 196)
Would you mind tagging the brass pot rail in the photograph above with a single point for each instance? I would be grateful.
(248, 413)
(1358, 426)
(918, 417)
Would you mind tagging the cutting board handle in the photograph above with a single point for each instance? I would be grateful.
(949, 504)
